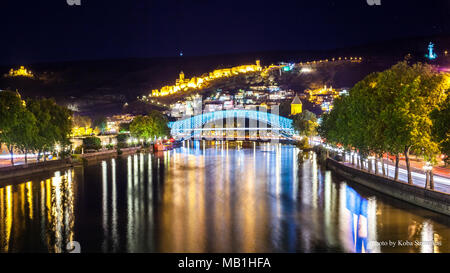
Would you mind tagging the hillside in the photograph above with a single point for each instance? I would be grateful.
(105, 85)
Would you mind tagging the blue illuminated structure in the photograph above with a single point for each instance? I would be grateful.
(194, 125)
(357, 205)
(431, 54)
(288, 67)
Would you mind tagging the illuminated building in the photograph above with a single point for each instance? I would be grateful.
(183, 84)
(296, 106)
(319, 95)
(82, 131)
(212, 107)
(21, 72)
(113, 123)
(197, 83)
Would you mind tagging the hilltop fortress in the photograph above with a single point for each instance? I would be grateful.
(21, 72)
(183, 84)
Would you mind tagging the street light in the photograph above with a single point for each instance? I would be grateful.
(428, 177)
(427, 167)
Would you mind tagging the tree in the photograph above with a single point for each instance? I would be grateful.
(122, 140)
(150, 126)
(62, 117)
(92, 143)
(415, 91)
(35, 125)
(161, 123)
(441, 128)
(82, 121)
(25, 133)
(44, 134)
(100, 122)
(306, 123)
(142, 127)
(53, 124)
(391, 111)
(16, 123)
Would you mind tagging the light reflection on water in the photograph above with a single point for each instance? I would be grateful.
(210, 198)
(38, 215)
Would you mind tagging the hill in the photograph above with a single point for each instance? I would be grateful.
(105, 85)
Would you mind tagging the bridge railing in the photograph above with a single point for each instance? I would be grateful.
(195, 125)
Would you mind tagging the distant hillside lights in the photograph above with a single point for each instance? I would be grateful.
(183, 84)
(324, 96)
(21, 72)
(351, 59)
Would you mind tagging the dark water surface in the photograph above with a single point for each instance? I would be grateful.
(270, 198)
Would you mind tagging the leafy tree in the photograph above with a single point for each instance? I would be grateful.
(100, 122)
(37, 125)
(26, 133)
(415, 91)
(122, 140)
(142, 127)
(391, 111)
(62, 117)
(161, 123)
(82, 121)
(441, 128)
(15, 121)
(150, 126)
(44, 137)
(53, 124)
(306, 123)
(92, 143)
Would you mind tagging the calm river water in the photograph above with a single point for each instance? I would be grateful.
(267, 198)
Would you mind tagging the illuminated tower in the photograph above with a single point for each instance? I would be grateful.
(181, 76)
(431, 54)
(296, 106)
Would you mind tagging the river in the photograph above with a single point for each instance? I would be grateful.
(211, 198)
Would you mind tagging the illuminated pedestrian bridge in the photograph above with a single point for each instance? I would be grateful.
(239, 124)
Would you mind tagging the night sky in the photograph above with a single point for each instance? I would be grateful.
(51, 30)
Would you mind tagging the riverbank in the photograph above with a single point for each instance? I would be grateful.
(94, 157)
(432, 200)
(33, 168)
(22, 170)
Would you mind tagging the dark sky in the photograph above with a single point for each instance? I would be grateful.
(51, 30)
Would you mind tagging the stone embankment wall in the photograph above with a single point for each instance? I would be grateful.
(432, 200)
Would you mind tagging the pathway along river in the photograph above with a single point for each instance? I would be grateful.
(267, 198)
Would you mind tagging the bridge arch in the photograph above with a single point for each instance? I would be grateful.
(195, 123)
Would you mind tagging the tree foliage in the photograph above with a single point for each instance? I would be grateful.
(35, 125)
(392, 112)
(92, 143)
(150, 126)
(441, 128)
(82, 121)
(306, 123)
(100, 122)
